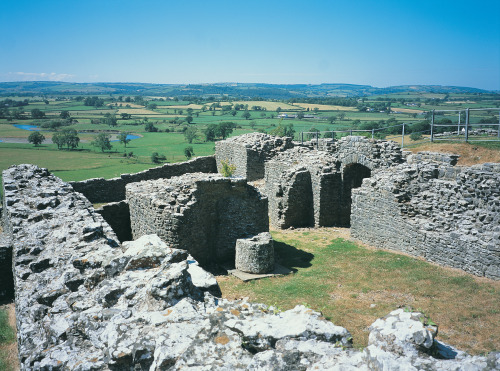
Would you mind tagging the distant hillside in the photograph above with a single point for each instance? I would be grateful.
(236, 90)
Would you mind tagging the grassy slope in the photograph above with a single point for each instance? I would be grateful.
(354, 285)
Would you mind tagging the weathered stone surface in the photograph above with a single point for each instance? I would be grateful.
(84, 302)
(255, 254)
(447, 215)
(202, 213)
(404, 341)
(249, 152)
(99, 190)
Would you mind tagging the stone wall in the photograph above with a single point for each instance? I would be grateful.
(308, 187)
(304, 188)
(100, 190)
(249, 152)
(371, 153)
(447, 215)
(117, 215)
(85, 302)
(202, 213)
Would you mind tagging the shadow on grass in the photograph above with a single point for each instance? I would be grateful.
(291, 257)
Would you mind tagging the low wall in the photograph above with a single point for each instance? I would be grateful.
(447, 215)
(99, 190)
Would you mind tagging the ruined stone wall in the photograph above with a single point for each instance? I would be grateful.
(249, 152)
(371, 153)
(202, 213)
(99, 190)
(447, 215)
(304, 188)
(84, 302)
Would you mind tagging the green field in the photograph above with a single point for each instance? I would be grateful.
(88, 162)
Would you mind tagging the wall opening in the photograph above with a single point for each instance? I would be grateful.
(352, 177)
(300, 212)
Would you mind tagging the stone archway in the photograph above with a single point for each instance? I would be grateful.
(352, 177)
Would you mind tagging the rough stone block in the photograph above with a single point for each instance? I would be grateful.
(255, 254)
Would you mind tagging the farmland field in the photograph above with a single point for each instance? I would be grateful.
(88, 161)
(324, 107)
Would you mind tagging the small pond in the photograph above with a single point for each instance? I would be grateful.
(129, 136)
(27, 127)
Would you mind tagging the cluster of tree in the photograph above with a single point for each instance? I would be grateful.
(109, 119)
(190, 134)
(150, 127)
(14, 103)
(334, 101)
(123, 138)
(93, 102)
(102, 142)
(36, 138)
(54, 124)
(218, 131)
(188, 152)
(66, 138)
(286, 130)
(37, 114)
(156, 158)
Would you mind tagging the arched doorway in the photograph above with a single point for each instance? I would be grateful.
(352, 177)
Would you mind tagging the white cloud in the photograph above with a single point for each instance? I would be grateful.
(33, 76)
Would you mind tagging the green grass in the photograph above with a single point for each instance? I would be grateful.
(344, 280)
(7, 336)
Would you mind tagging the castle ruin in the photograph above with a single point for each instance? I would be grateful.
(87, 299)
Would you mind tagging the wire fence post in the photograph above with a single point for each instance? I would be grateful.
(302, 137)
(317, 140)
(498, 131)
(432, 126)
(373, 133)
(403, 137)
(467, 125)
(458, 131)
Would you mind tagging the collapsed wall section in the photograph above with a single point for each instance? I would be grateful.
(100, 190)
(202, 213)
(249, 152)
(447, 215)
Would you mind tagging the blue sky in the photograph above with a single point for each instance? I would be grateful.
(379, 43)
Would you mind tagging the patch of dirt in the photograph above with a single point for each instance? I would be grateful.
(470, 154)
